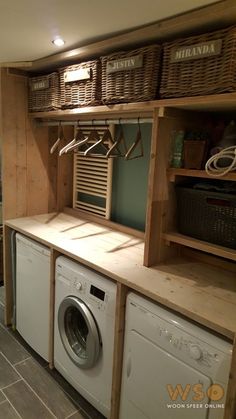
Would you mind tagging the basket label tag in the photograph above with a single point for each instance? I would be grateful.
(194, 52)
(39, 85)
(77, 75)
(125, 64)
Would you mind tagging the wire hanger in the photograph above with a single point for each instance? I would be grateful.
(94, 136)
(114, 151)
(138, 141)
(60, 136)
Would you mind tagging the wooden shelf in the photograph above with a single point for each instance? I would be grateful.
(221, 102)
(144, 109)
(214, 249)
(172, 173)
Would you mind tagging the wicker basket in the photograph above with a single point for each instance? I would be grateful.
(131, 76)
(80, 84)
(207, 215)
(200, 65)
(44, 93)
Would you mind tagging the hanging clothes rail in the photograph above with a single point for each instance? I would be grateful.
(97, 122)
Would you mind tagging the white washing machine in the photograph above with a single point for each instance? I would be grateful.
(172, 369)
(33, 294)
(84, 331)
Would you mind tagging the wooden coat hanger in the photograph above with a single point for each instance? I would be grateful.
(138, 141)
(80, 140)
(94, 136)
(64, 149)
(60, 136)
(114, 151)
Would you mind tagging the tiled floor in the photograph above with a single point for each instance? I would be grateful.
(29, 389)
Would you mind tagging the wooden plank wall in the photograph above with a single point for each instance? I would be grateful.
(65, 173)
(34, 182)
(14, 155)
(60, 171)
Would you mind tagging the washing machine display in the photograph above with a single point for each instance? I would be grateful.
(79, 332)
(84, 331)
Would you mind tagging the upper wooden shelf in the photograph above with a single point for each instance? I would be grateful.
(142, 109)
(172, 173)
(222, 102)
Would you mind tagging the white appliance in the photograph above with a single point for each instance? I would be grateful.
(33, 294)
(162, 352)
(84, 331)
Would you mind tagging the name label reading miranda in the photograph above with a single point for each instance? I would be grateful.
(125, 64)
(194, 52)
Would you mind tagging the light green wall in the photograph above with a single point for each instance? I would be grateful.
(130, 177)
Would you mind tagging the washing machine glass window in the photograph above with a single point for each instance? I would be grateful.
(79, 332)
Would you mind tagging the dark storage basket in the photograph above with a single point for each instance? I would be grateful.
(206, 215)
(200, 65)
(131, 76)
(44, 93)
(80, 84)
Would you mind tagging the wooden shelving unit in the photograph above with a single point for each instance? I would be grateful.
(173, 173)
(214, 249)
(35, 182)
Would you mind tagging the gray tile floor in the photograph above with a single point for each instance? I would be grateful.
(29, 389)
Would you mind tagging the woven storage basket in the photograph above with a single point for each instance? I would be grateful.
(80, 84)
(207, 215)
(44, 93)
(189, 68)
(130, 76)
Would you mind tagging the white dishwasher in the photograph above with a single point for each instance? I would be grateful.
(172, 369)
(33, 294)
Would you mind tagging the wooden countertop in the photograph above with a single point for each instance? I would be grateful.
(204, 293)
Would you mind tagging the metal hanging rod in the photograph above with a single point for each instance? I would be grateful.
(97, 122)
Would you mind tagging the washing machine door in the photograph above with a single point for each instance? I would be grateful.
(79, 332)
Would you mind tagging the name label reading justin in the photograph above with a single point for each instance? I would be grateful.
(194, 52)
(125, 64)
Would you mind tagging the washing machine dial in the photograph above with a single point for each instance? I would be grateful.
(195, 352)
(78, 286)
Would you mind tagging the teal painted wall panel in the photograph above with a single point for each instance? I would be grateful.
(130, 181)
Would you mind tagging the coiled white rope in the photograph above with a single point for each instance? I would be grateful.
(213, 169)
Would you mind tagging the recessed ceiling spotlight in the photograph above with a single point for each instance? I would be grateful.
(58, 42)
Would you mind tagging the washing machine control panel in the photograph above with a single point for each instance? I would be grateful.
(98, 296)
(78, 286)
